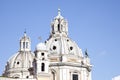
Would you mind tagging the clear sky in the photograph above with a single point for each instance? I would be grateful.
(93, 24)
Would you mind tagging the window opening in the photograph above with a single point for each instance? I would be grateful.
(18, 62)
(42, 54)
(42, 67)
(58, 27)
(23, 44)
(75, 77)
(35, 54)
(71, 48)
(67, 40)
(55, 39)
(53, 29)
(54, 47)
(16, 77)
(43, 58)
(26, 44)
(27, 76)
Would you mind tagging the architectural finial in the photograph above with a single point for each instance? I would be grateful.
(25, 32)
(59, 13)
(40, 38)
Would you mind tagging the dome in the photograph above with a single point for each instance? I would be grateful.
(21, 59)
(20, 62)
(63, 45)
(41, 46)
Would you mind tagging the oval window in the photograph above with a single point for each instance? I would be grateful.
(55, 39)
(18, 62)
(71, 48)
(54, 47)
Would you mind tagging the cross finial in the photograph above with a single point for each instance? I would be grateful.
(59, 13)
(25, 32)
(40, 38)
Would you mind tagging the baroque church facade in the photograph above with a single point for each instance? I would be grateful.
(58, 58)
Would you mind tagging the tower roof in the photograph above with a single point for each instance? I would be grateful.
(59, 15)
(25, 37)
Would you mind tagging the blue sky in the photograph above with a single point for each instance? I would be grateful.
(93, 24)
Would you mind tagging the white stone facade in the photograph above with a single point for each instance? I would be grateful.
(59, 58)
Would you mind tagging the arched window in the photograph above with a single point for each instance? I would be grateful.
(23, 44)
(26, 44)
(58, 27)
(42, 67)
(52, 29)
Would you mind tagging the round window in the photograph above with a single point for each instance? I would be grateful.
(55, 39)
(67, 40)
(71, 48)
(42, 54)
(54, 47)
(27, 76)
(18, 62)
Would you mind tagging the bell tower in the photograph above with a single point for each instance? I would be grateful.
(41, 62)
